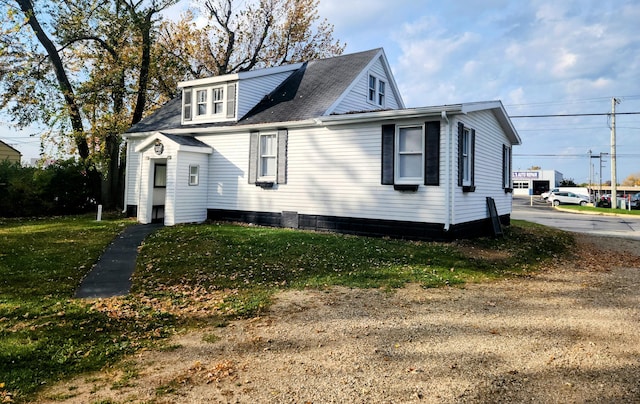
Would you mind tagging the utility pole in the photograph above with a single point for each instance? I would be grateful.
(614, 186)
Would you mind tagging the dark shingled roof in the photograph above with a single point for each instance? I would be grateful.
(306, 94)
(186, 140)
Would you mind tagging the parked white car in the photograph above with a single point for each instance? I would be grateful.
(558, 198)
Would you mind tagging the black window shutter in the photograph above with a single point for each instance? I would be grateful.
(460, 159)
(472, 158)
(432, 153)
(282, 157)
(388, 151)
(253, 157)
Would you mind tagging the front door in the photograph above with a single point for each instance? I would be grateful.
(159, 191)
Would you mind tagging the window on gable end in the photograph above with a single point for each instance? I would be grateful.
(377, 90)
(372, 88)
(381, 92)
(186, 104)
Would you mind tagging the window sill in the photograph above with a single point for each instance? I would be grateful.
(508, 190)
(265, 184)
(468, 188)
(405, 187)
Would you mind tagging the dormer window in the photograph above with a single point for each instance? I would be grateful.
(213, 103)
(218, 101)
(201, 96)
(377, 88)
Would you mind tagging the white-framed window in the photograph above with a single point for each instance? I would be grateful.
(521, 184)
(217, 100)
(381, 92)
(506, 167)
(194, 174)
(466, 157)
(377, 89)
(409, 158)
(186, 104)
(201, 102)
(267, 156)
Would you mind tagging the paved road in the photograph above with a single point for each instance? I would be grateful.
(543, 213)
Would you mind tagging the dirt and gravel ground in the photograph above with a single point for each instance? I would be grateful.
(569, 334)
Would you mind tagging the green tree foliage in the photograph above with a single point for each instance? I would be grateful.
(59, 189)
(89, 69)
(568, 182)
(263, 34)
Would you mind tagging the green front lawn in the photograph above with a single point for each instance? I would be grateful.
(213, 272)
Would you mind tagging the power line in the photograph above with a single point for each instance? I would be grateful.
(566, 115)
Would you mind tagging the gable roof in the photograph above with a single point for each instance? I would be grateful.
(312, 90)
(309, 92)
(183, 143)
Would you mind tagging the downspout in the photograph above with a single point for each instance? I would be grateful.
(449, 173)
(126, 178)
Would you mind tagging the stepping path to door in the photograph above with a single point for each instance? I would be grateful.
(111, 276)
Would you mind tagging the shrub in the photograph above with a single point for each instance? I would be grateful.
(59, 189)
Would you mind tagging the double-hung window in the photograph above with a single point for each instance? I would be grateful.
(410, 155)
(377, 90)
(466, 158)
(218, 101)
(201, 100)
(194, 174)
(268, 156)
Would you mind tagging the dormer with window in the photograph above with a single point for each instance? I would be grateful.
(215, 102)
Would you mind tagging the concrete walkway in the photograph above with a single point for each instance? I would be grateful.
(111, 276)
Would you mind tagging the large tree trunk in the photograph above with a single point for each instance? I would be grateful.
(61, 75)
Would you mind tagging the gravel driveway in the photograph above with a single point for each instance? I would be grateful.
(569, 334)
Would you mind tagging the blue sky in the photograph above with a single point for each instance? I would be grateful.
(537, 57)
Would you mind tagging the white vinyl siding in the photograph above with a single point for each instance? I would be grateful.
(330, 172)
(489, 141)
(409, 158)
(190, 201)
(357, 98)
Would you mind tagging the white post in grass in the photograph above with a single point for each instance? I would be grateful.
(99, 213)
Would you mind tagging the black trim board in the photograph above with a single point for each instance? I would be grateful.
(362, 226)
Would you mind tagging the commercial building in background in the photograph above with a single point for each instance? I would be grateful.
(535, 182)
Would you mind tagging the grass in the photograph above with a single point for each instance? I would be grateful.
(45, 334)
(232, 270)
(593, 209)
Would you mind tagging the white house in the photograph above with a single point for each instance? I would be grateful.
(325, 145)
